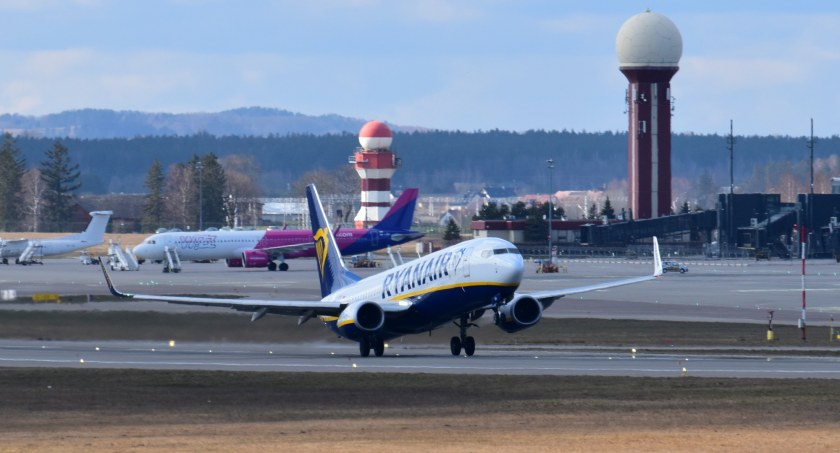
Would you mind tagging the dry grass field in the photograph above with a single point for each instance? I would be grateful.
(156, 411)
(160, 411)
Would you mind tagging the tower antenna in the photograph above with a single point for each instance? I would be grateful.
(810, 145)
(730, 145)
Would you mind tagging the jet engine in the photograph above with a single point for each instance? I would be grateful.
(255, 258)
(360, 317)
(520, 313)
(233, 262)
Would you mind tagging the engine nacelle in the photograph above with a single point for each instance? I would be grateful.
(360, 318)
(255, 258)
(233, 262)
(520, 313)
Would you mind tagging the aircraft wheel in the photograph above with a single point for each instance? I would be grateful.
(165, 270)
(272, 266)
(284, 267)
(6, 260)
(378, 346)
(455, 345)
(364, 347)
(469, 346)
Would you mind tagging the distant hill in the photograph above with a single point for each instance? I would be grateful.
(250, 121)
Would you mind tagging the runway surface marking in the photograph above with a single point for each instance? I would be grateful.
(420, 359)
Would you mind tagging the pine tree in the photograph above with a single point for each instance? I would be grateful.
(60, 178)
(592, 212)
(490, 211)
(12, 167)
(453, 231)
(519, 210)
(608, 210)
(153, 206)
(212, 184)
(685, 209)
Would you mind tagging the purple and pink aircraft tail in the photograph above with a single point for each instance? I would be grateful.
(401, 214)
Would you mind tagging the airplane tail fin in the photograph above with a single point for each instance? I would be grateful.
(331, 269)
(401, 214)
(95, 231)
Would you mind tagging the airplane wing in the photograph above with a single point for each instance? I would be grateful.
(289, 248)
(303, 308)
(282, 307)
(549, 296)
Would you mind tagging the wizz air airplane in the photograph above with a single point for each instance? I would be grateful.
(28, 251)
(459, 283)
(264, 248)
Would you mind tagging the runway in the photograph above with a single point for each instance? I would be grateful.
(722, 291)
(414, 359)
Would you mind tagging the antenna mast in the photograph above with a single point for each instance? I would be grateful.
(810, 144)
(730, 145)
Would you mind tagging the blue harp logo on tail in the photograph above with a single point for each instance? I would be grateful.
(322, 245)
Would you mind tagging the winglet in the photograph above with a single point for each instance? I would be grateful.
(657, 259)
(111, 287)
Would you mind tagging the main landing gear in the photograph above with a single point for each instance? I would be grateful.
(462, 340)
(368, 343)
(272, 266)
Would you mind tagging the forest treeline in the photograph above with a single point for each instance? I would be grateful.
(435, 161)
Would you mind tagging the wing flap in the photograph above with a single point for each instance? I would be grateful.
(280, 307)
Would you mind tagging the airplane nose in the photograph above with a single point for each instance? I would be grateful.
(511, 268)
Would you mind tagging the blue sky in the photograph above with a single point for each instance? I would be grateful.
(449, 64)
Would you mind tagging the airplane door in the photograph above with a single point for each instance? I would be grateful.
(465, 262)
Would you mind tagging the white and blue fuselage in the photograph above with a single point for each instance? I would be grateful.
(438, 287)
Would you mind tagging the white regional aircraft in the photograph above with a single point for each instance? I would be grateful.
(459, 283)
(25, 251)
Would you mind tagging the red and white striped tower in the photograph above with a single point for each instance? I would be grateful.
(649, 48)
(375, 164)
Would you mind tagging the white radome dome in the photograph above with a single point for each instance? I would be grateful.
(648, 40)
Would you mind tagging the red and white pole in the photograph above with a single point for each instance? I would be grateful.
(802, 252)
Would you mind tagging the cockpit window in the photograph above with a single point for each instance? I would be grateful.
(514, 251)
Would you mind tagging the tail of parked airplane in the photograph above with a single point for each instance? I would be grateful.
(401, 214)
(95, 231)
(331, 269)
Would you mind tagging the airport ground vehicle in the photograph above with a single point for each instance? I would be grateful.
(674, 266)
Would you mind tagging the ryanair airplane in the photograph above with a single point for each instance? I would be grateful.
(459, 283)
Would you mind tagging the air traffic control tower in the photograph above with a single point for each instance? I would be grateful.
(375, 163)
(649, 48)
